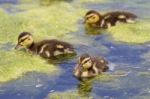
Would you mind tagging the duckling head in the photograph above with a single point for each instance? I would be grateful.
(85, 62)
(25, 40)
(92, 17)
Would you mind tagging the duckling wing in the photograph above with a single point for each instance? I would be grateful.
(101, 64)
(112, 18)
(56, 47)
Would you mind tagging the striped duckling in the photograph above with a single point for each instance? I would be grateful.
(90, 66)
(45, 48)
(96, 20)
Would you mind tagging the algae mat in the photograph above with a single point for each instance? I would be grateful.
(44, 22)
(15, 64)
(131, 33)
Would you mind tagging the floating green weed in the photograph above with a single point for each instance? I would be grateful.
(15, 64)
(87, 1)
(44, 21)
(49, 22)
(131, 33)
(66, 95)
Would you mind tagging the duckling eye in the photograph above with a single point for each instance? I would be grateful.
(85, 62)
(93, 17)
(28, 38)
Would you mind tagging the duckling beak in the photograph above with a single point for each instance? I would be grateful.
(84, 22)
(81, 68)
(17, 46)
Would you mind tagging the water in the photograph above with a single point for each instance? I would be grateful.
(124, 57)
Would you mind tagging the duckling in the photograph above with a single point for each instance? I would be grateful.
(45, 48)
(96, 20)
(88, 66)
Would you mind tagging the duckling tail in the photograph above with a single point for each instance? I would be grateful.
(105, 68)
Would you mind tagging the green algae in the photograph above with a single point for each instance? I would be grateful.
(71, 94)
(46, 22)
(10, 28)
(42, 22)
(15, 64)
(93, 1)
(52, 22)
(93, 31)
(104, 78)
(84, 89)
(144, 74)
(131, 33)
(27, 1)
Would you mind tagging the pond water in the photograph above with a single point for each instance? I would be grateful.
(131, 59)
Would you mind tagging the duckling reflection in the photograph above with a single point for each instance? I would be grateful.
(45, 48)
(96, 20)
(88, 66)
(93, 31)
(85, 87)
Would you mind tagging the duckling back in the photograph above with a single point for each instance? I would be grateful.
(101, 64)
(52, 48)
(98, 65)
(112, 18)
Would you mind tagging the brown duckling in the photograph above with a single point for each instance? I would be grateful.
(45, 48)
(95, 19)
(90, 66)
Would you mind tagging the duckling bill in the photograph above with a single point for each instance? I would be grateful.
(45, 48)
(90, 66)
(96, 20)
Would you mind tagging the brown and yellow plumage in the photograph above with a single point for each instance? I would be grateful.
(95, 19)
(45, 48)
(90, 66)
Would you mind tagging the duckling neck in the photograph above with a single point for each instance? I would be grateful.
(32, 47)
(97, 24)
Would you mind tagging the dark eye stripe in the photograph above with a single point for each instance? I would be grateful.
(23, 39)
(86, 61)
(89, 17)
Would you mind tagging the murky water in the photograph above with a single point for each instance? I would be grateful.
(123, 57)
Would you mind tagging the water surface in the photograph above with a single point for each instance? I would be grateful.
(123, 57)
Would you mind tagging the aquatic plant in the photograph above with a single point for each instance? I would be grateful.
(43, 22)
(70, 94)
(87, 1)
(15, 64)
(131, 33)
(51, 23)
